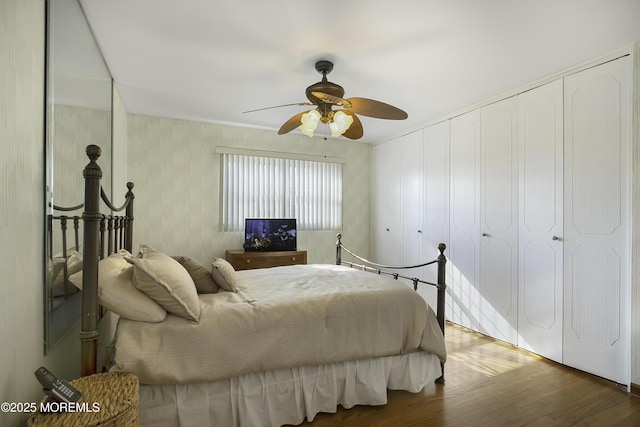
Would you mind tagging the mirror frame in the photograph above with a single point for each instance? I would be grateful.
(70, 76)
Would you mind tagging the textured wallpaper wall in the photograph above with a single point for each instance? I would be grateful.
(176, 172)
(22, 210)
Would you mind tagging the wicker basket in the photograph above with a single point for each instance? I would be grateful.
(111, 399)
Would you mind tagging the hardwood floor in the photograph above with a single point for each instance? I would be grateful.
(490, 383)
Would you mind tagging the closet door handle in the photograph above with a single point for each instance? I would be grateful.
(556, 238)
(485, 235)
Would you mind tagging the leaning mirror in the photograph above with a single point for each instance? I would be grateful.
(78, 113)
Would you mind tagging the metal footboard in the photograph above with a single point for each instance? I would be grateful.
(373, 267)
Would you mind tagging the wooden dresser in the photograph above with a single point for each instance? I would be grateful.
(246, 260)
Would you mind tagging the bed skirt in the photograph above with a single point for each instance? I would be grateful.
(285, 396)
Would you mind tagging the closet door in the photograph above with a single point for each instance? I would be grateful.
(540, 224)
(499, 220)
(394, 229)
(435, 218)
(464, 251)
(597, 220)
(412, 200)
(379, 172)
(386, 219)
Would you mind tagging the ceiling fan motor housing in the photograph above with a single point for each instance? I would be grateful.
(324, 67)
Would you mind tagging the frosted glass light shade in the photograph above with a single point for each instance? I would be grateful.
(340, 123)
(310, 122)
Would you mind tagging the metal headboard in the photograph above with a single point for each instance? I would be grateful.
(119, 231)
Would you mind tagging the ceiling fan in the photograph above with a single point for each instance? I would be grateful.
(325, 95)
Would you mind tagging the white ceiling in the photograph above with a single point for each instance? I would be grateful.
(210, 60)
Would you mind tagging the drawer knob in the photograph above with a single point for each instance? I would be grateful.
(293, 258)
(248, 261)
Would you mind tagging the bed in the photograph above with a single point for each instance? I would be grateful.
(257, 347)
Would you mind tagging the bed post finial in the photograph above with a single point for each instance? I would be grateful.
(338, 249)
(92, 169)
(93, 152)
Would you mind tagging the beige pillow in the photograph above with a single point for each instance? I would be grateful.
(224, 274)
(74, 264)
(199, 273)
(117, 293)
(54, 267)
(166, 282)
(55, 271)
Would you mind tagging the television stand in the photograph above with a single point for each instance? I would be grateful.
(247, 260)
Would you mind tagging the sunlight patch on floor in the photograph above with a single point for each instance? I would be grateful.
(484, 364)
(487, 359)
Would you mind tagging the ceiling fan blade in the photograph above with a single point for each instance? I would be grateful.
(331, 99)
(291, 124)
(278, 106)
(355, 131)
(372, 108)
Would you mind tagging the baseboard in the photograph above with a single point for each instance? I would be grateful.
(635, 389)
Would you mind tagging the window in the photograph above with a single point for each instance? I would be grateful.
(257, 186)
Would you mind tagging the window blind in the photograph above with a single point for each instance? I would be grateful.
(270, 187)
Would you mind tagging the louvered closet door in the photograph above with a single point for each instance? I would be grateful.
(435, 218)
(597, 220)
(540, 226)
(499, 220)
(464, 251)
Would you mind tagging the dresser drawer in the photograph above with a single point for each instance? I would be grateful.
(242, 260)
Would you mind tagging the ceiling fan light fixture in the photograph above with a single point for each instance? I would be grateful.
(340, 123)
(310, 121)
(345, 122)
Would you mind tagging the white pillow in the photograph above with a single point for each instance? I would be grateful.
(117, 293)
(224, 274)
(165, 281)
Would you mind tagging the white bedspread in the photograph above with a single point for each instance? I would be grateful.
(282, 317)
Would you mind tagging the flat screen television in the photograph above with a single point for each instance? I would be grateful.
(270, 234)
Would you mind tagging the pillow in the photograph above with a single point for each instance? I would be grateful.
(224, 274)
(166, 282)
(201, 276)
(117, 293)
(74, 264)
(55, 268)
